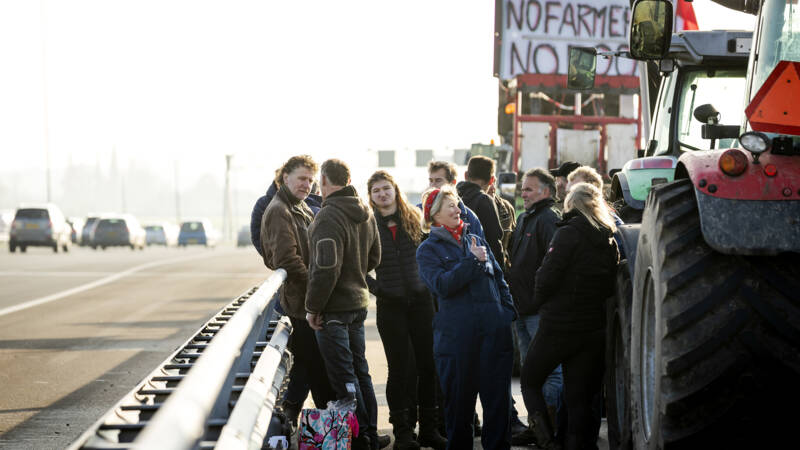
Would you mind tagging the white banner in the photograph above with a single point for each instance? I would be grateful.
(536, 35)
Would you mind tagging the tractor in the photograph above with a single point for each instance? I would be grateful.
(703, 335)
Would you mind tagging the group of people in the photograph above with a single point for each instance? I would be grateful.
(455, 279)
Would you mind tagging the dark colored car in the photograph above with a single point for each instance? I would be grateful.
(197, 232)
(243, 237)
(123, 231)
(86, 231)
(39, 226)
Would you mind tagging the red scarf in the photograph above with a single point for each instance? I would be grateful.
(457, 231)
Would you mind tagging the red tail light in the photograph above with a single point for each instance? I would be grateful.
(770, 170)
(733, 162)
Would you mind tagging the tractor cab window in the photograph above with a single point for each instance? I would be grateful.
(663, 115)
(779, 38)
(721, 88)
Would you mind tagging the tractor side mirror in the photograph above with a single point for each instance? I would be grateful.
(651, 29)
(666, 65)
(707, 114)
(582, 68)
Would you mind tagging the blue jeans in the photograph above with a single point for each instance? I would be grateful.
(342, 345)
(527, 326)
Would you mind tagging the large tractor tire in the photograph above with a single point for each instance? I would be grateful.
(715, 339)
(618, 334)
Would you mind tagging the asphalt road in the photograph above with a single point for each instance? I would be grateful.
(80, 330)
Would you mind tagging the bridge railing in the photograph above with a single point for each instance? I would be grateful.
(217, 391)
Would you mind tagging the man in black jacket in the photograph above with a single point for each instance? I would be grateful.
(479, 175)
(529, 243)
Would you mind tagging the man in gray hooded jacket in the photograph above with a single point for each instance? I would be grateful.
(344, 247)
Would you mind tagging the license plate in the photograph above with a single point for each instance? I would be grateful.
(31, 226)
(192, 241)
(112, 234)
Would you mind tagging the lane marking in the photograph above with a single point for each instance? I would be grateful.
(21, 273)
(101, 282)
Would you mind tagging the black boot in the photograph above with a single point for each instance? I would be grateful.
(544, 432)
(525, 437)
(292, 411)
(580, 442)
(402, 432)
(384, 440)
(429, 435)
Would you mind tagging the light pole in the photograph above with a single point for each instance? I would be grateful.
(227, 217)
(177, 196)
(44, 100)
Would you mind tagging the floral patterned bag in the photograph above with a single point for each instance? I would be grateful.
(326, 429)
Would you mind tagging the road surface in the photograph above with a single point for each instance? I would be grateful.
(80, 330)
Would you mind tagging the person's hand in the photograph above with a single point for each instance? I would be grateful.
(478, 250)
(314, 321)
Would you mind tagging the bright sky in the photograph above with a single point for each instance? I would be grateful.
(192, 80)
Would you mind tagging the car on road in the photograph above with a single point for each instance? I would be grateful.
(39, 226)
(165, 234)
(243, 237)
(197, 232)
(86, 230)
(118, 230)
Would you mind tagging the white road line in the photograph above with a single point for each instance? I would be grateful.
(31, 274)
(100, 282)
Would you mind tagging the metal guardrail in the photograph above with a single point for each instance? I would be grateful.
(217, 391)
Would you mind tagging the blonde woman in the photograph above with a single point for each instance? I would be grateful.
(405, 313)
(576, 276)
(472, 330)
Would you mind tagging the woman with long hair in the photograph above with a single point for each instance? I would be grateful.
(576, 276)
(404, 313)
(473, 349)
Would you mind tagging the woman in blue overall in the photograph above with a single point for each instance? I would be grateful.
(472, 342)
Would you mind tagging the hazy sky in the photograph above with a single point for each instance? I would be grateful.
(193, 80)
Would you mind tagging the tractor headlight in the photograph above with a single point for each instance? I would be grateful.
(755, 142)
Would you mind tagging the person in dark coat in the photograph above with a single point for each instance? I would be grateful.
(561, 173)
(472, 329)
(404, 313)
(586, 174)
(575, 278)
(530, 241)
(441, 173)
(508, 220)
(314, 201)
(478, 177)
(284, 237)
(345, 246)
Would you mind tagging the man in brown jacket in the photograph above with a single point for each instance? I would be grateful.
(284, 240)
(344, 247)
